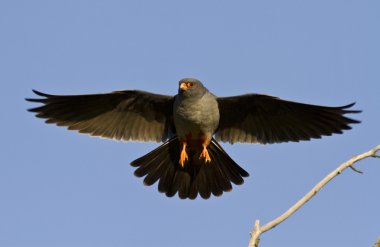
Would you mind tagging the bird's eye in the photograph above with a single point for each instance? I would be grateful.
(190, 84)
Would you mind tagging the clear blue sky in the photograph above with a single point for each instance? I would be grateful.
(59, 188)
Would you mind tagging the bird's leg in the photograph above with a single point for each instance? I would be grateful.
(183, 156)
(204, 153)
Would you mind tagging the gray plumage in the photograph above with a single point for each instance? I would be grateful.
(195, 111)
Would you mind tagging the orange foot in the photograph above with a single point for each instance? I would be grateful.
(183, 156)
(205, 154)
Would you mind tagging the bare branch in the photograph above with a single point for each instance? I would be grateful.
(257, 231)
(255, 235)
(377, 244)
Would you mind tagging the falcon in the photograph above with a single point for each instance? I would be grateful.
(190, 161)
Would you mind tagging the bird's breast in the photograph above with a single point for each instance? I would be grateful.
(196, 118)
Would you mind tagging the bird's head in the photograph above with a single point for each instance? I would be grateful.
(190, 87)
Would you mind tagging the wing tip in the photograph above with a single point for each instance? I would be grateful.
(346, 107)
(41, 100)
(41, 93)
(35, 109)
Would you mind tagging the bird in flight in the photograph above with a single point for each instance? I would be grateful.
(190, 161)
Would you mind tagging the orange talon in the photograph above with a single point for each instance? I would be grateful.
(183, 156)
(205, 154)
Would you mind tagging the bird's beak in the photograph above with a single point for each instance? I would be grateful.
(183, 86)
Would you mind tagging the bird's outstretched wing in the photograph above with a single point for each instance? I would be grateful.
(264, 119)
(127, 115)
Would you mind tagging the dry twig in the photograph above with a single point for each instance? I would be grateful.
(377, 244)
(258, 230)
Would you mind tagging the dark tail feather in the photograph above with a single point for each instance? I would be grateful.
(196, 177)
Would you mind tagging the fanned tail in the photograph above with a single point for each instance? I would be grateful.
(195, 177)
